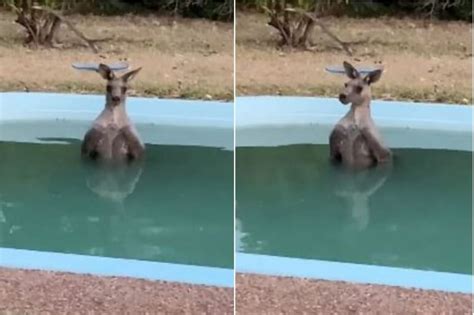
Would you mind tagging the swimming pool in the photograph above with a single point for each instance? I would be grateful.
(170, 218)
(299, 216)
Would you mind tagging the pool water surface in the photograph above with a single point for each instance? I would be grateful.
(292, 202)
(177, 207)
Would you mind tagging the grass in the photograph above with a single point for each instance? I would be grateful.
(181, 58)
(423, 61)
(400, 93)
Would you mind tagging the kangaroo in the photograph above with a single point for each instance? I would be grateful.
(112, 135)
(355, 140)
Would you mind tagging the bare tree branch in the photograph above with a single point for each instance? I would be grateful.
(323, 28)
(90, 42)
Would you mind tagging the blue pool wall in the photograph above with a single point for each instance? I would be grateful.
(159, 121)
(271, 121)
(286, 110)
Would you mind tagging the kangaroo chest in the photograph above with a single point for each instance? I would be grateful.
(110, 123)
(354, 121)
(113, 119)
(353, 130)
(355, 144)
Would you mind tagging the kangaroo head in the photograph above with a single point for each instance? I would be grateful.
(116, 86)
(357, 89)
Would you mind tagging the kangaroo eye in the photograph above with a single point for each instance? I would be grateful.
(358, 89)
(345, 84)
(124, 89)
(109, 89)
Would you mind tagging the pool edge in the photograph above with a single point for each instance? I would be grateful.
(264, 110)
(354, 273)
(115, 267)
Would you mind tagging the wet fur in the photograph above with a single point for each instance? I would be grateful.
(355, 141)
(348, 145)
(111, 144)
(356, 146)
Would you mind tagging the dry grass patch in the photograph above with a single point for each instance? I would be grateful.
(423, 61)
(180, 57)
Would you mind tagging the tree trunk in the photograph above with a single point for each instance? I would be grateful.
(50, 40)
(304, 40)
(293, 34)
(42, 25)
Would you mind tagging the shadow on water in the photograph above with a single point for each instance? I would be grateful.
(175, 207)
(417, 214)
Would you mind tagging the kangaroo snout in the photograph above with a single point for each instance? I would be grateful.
(115, 98)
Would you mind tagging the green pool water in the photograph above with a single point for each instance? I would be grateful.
(177, 207)
(292, 202)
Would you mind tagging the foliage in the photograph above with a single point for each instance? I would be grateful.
(443, 9)
(211, 9)
(457, 9)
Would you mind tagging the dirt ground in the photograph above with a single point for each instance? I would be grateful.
(41, 292)
(180, 57)
(279, 295)
(423, 61)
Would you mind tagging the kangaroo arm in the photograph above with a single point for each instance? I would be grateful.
(336, 141)
(135, 147)
(381, 153)
(91, 142)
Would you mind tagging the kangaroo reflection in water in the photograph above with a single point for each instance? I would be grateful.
(114, 183)
(356, 187)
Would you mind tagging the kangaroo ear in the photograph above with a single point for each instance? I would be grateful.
(350, 70)
(373, 76)
(106, 72)
(130, 75)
